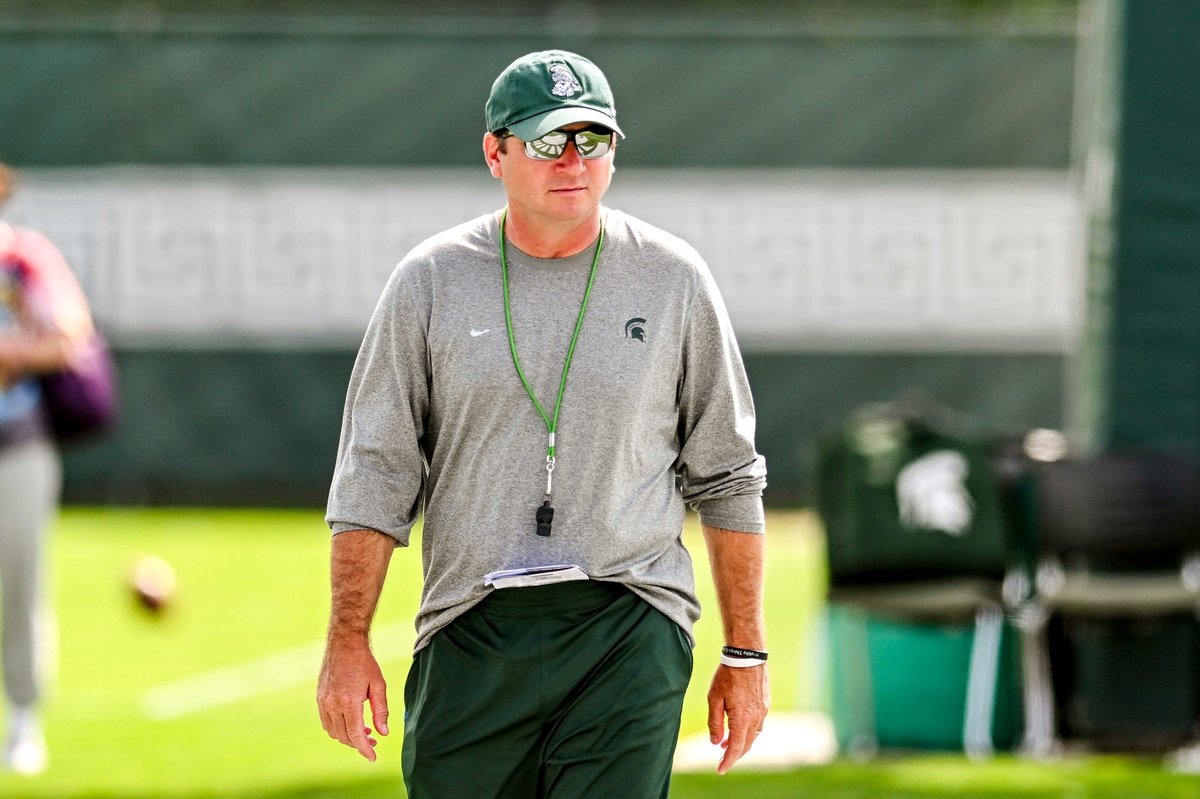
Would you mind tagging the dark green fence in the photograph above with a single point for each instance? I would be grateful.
(767, 89)
(232, 427)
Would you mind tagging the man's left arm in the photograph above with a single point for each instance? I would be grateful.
(722, 477)
(741, 695)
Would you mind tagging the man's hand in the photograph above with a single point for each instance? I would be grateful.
(350, 676)
(742, 695)
(35, 353)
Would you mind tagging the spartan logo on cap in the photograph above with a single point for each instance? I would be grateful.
(565, 83)
(635, 329)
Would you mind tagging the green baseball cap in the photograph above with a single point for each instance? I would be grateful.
(541, 92)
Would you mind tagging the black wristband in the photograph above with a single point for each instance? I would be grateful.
(735, 652)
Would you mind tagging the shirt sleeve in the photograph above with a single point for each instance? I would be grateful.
(380, 472)
(721, 475)
(53, 299)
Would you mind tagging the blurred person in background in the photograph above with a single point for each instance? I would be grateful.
(566, 678)
(44, 321)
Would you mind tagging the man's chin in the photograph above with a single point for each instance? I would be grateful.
(572, 205)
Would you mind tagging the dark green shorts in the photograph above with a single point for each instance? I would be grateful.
(562, 691)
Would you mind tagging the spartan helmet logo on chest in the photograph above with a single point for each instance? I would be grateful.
(635, 329)
(565, 83)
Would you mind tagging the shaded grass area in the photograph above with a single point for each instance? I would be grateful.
(916, 777)
(253, 584)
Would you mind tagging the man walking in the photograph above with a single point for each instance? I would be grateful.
(550, 386)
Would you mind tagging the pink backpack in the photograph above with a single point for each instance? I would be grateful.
(81, 400)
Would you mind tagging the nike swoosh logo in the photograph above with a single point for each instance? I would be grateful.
(475, 332)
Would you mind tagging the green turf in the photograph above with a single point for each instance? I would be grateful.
(252, 584)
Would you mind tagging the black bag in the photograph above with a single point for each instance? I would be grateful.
(871, 536)
(81, 401)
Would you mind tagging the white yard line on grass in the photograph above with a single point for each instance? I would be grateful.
(787, 740)
(261, 676)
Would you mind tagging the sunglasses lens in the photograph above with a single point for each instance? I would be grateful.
(593, 143)
(549, 147)
(590, 144)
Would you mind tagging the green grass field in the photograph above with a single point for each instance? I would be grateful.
(215, 699)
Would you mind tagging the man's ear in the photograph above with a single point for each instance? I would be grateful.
(491, 154)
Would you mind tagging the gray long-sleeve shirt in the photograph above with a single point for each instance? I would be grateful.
(656, 413)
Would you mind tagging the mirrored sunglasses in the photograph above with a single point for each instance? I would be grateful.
(592, 142)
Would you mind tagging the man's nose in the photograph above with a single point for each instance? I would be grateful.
(570, 160)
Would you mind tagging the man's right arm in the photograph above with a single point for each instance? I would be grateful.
(350, 675)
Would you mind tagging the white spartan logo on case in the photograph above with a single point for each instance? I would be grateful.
(565, 83)
(931, 493)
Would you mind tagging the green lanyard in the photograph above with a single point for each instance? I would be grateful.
(545, 514)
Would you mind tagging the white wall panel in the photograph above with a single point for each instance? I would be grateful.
(805, 260)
